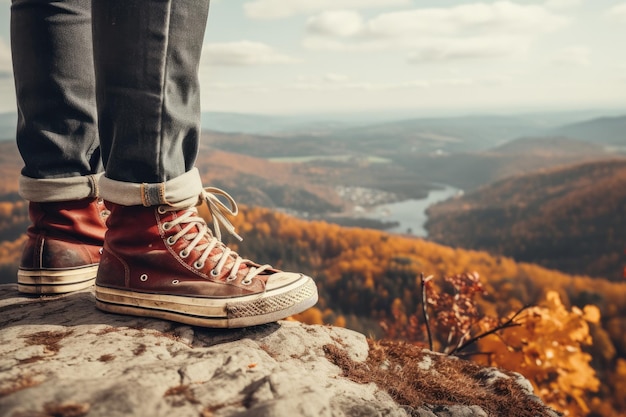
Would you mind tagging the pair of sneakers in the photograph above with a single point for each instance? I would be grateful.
(162, 262)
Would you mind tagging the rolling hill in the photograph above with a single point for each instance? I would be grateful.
(602, 130)
(471, 170)
(572, 219)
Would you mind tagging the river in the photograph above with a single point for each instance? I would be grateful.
(410, 214)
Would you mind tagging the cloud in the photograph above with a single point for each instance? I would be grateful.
(618, 11)
(473, 48)
(243, 53)
(277, 9)
(327, 79)
(573, 56)
(562, 4)
(342, 23)
(475, 18)
(335, 78)
(476, 30)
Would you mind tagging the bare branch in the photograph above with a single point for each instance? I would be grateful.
(425, 309)
(509, 323)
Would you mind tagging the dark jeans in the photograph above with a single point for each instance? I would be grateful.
(110, 80)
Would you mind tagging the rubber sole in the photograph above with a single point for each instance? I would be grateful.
(45, 281)
(232, 312)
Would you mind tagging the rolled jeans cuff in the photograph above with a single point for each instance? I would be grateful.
(48, 190)
(182, 190)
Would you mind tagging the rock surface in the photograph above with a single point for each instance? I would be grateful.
(59, 356)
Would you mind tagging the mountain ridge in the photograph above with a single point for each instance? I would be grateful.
(604, 130)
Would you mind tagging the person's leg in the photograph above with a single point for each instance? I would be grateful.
(160, 259)
(147, 54)
(58, 141)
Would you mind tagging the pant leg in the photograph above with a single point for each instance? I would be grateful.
(147, 54)
(55, 88)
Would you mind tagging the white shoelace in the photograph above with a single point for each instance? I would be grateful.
(190, 220)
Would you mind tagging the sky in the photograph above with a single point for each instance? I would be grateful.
(431, 56)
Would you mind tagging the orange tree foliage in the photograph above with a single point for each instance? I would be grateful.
(545, 343)
(10, 252)
(13, 224)
(363, 270)
(548, 348)
(13, 219)
(449, 318)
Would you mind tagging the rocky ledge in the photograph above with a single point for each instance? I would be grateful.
(61, 357)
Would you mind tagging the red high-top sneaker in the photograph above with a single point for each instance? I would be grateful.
(164, 262)
(63, 247)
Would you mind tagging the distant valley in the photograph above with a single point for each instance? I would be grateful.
(334, 168)
(549, 195)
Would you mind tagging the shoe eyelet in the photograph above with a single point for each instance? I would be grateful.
(175, 282)
(246, 282)
(214, 273)
(183, 253)
(161, 210)
(199, 265)
(167, 226)
(101, 251)
(143, 277)
(231, 278)
(170, 240)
